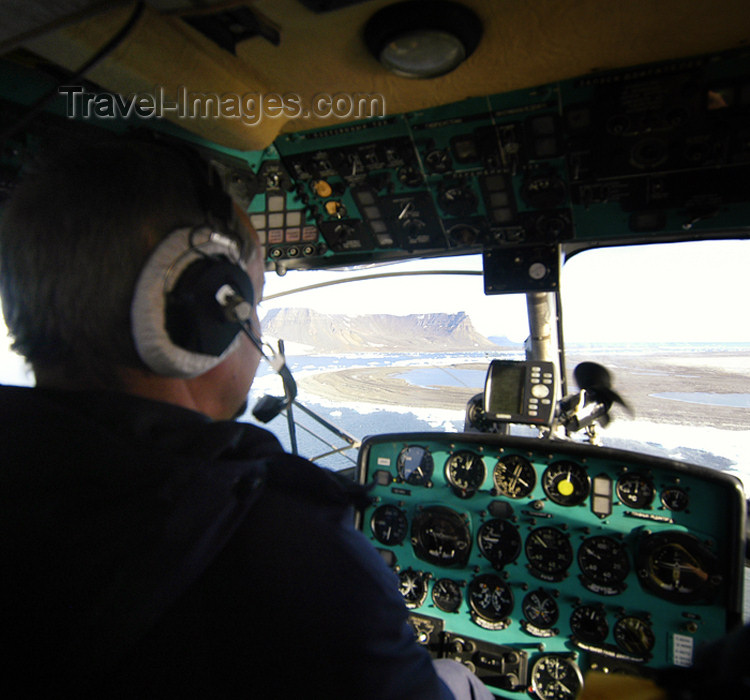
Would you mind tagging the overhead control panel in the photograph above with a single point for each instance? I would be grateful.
(533, 561)
(657, 152)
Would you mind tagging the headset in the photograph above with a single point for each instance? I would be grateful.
(194, 298)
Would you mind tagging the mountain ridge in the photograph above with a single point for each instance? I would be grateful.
(428, 332)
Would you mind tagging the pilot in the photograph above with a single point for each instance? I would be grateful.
(152, 546)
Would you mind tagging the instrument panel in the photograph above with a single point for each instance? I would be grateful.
(655, 152)
(532, 561)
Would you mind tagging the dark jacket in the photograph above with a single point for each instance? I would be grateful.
(148, 551)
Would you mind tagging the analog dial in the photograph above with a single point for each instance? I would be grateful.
(556, 677)
(500, 542)
(457, 200)
(446, 594)
(465, 472)
(415, 465)
(438, 161)
(634, 635)
(514, 476)
(677, 566)
(566, 483)
(675, 499)
(490, 598)
(635, 490)
(549, 552)
(410, 176)
(389, 525)
(540, 609)
(588, 623)
(603, 560)
(441, 536)
(413, 587)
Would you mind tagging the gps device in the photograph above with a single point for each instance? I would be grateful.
(520, 392)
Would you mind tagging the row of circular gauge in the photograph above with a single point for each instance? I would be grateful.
(441, 536)
(491, 602)
(671, 564)
(565, 482)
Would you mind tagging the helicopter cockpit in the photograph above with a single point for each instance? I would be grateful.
(524, 548)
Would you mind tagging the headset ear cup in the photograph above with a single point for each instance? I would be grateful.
(178, 326)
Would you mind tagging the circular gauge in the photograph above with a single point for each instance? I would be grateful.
(441, 536)
(588, 623)
(675, 498)
(556, 677)
(409, 175)
(389, 525)
(676, 566)
(549, 553)
(413, 587)
(634, 635)
(603, 560)
(415, 465)
(540, 609)
(465, 472)
(514, 476)
(635, 490)
(438, 161)
(566, 483)
(446, 594)
(457, 200)
(490, 599)
(500, 542)
(546, 191)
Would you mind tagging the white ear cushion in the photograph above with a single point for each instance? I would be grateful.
(148, 310)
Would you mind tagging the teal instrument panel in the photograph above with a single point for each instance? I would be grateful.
(533, 561)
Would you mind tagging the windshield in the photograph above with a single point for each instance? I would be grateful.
(406, 353)
(400, 353)
(662, 318)
(670, 323)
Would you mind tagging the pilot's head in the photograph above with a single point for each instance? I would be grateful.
(93, 242)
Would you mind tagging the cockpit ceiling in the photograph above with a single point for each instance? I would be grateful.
(524, 44)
